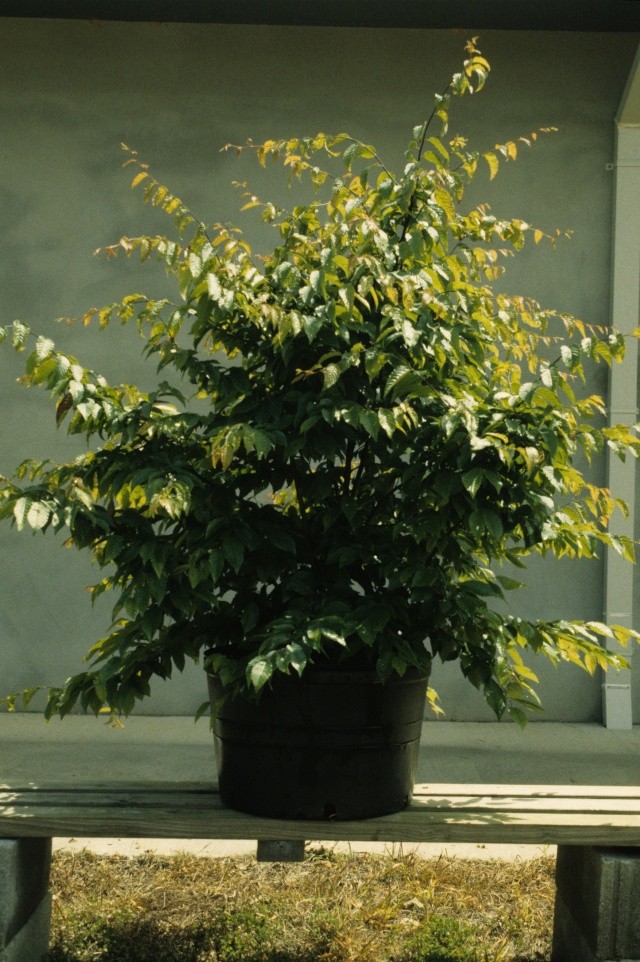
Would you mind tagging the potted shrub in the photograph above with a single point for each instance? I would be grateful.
(377, 430)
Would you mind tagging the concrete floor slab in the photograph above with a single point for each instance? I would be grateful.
(81, 750)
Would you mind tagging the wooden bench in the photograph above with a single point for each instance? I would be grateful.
(596, 829)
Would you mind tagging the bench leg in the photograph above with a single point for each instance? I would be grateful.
(25, 900)
(597, 912)
(278, 851)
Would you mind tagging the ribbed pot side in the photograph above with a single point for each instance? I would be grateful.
(333, 744)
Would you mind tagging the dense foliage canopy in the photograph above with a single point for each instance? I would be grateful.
(377, 429)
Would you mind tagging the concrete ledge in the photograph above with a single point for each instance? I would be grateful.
(569, 943)
(24, 882)
(279, 851)
(597, 912)
(31, 942)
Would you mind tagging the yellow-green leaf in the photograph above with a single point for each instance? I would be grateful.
(493, 163)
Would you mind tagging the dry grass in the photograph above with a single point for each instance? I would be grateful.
(330, 908)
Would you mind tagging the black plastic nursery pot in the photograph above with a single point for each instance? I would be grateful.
(336, 743)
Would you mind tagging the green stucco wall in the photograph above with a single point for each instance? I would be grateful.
(71, 91)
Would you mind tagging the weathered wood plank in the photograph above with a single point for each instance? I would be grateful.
(447, 794)
(505, 804)
(188, 813)
(561, 791)
(577, 832)
(429, 789)
(549, 804)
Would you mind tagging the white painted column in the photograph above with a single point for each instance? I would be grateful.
(623, 400)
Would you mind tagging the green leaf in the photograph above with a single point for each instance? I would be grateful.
(233, 550)
(204, 709)
(410, 335)
(496, 698)
(493, 524)
(216, 565)
(485, 521)
(258, 673)
(312, 325)
(518, 716)
(331, 375)
(44, 348)
(281, 272)
(44, 370)
(493, 163)
(374, 361)
(472, 480)
(281, 539)
(38, 515)
(309, 422)
(444, 200)
(370, 422)
(402, 381)
(262, 443)
(509, 584)
(19, 335)
(20, 512)
(249, 617)
(546, 376)
(214, 287)
(387, 421)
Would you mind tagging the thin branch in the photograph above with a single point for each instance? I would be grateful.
(348, 466)
(427, 124)
(302, 506)
(363, 457)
